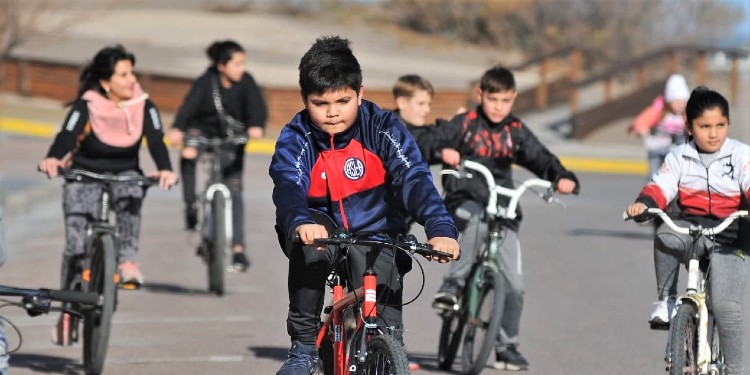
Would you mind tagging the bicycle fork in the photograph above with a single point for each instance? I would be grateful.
(228, 206)
(697, 299)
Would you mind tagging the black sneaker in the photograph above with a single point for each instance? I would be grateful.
(240, 263)
(301, 360)
(191, 217)
(510, 359)
(446, 297)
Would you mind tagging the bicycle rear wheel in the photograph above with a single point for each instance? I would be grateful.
(218, 244)
(684, 342)
(480, 333)
(385, 355)
(98, 319)
(450, 336)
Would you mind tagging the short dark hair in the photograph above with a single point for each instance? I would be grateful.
(220, 52)
(329, 65)
(407, 85)
(497, 79)
(102, 67)
(702, 99)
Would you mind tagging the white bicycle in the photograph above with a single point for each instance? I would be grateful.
(693, 346)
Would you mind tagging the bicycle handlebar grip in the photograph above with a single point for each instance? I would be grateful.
(72, 296)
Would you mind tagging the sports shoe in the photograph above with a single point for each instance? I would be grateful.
(130, 274)
(191, 217)
(414, 366)
(240, 262)
(510, 359)
(65, 332)
(301, 360)
(663, 312)
(447, 296)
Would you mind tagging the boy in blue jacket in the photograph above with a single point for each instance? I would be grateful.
(344, 158)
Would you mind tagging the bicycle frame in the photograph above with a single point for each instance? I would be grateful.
(696, 292)
(496, 213)
(215, 183)
(366, 296)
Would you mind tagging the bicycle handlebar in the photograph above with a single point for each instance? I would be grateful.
(693, 229)
(87, 176)
(495, 189)
(410, 245)
(219, 141)
(37, 301)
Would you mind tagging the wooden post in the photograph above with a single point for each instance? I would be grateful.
(542, 91)
(734, 79)
(672, 62)
(607, 90)
(640, 77)
(700, 68)
(576, 60)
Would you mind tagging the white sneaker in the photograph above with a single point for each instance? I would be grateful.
(663, 312)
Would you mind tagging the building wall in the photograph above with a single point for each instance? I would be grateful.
(59, 82)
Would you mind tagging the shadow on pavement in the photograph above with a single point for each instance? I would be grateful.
(43, 363)
(425, 361)
(269, 352)
(612, 233)
(172, 289)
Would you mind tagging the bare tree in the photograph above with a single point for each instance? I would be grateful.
(611, 30)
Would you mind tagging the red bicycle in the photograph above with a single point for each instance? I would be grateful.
(350, 341)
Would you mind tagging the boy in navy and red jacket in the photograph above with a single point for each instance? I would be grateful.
(346, 159)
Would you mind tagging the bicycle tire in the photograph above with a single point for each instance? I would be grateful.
(98, 320)
(325, 356)
(717, 356)
(450, 336)
(683, 341)
(385, 355)
(483, 328)
(218, 243)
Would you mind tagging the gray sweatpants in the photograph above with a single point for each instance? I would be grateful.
(727, 278)
(81, 205)
(509, 262)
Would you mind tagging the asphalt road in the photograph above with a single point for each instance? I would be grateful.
(589, 283)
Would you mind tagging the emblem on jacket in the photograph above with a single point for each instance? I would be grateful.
(354, 169)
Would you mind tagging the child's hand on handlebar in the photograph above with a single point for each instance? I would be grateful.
(635, 209)
(446, 245)
(565, 186)
(451, 157)
(308, 232)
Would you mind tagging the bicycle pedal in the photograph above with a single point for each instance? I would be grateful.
(443, 306)
(659, 326)
(132, 285)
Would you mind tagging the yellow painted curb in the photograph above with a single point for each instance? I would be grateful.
(267, 146)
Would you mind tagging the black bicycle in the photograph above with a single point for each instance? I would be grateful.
(95, 271)
(77, 303)
(216, 206)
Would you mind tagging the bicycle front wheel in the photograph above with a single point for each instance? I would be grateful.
(385, 355)
(480, 333)
(450, 337)
(684, 341)
(98, 319)
(218, 244)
